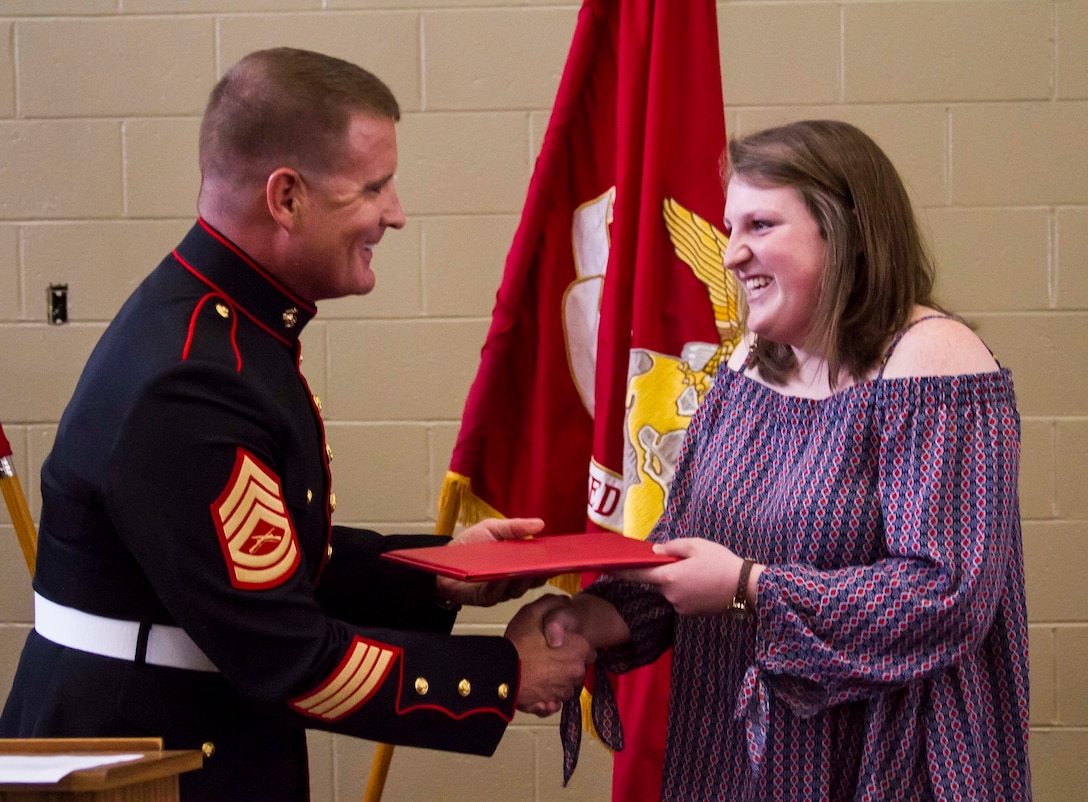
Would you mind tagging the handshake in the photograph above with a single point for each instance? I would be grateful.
(553, 653)
(558, 636)
(551, 634)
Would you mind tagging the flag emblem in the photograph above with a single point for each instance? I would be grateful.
(350, 686)
(255, 531)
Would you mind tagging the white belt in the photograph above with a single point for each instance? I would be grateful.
(111, 637)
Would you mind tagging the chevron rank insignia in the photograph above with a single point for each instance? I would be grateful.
(255, 531)
(357, 678)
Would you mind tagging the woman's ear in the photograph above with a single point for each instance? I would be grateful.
(285, 194)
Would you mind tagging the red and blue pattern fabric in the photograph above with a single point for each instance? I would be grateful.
(888, 658)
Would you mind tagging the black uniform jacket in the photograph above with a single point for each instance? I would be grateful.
(189, 485)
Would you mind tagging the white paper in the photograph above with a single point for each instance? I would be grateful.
(51, 768)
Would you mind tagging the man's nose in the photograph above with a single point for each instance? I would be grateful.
(393, 216)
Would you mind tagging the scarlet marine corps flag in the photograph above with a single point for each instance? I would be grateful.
(614, 311)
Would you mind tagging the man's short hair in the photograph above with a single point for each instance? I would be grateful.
(285, 107)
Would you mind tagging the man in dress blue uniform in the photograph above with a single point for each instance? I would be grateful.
(189, 582)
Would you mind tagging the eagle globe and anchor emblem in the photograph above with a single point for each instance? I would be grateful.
(663, 390)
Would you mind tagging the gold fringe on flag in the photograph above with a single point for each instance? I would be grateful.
(586, 701)
(568, 583)
(458, 504)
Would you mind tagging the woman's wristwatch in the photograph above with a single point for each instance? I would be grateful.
(739, 608)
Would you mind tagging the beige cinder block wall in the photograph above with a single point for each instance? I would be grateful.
(983, 106)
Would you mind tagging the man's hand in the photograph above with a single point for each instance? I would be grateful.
(587, 616)
(549, 674)
(485, 594)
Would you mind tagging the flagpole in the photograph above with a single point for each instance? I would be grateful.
(379, 770)
(15, 499)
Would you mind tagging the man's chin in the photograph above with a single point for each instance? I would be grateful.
(364, 281)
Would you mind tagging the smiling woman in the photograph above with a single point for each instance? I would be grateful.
(779, 256)
(847, 611)
(876, 271)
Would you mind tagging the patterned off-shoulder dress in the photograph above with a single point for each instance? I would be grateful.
(888, 656)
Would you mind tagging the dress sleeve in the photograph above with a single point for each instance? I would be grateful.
(648, 615)
(949, 457)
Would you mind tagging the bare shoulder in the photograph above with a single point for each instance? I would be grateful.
(939, 346)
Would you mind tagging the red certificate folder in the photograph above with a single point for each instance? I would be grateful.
(546, 555)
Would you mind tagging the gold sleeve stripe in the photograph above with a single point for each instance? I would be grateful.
(357, 678)
(355, 675)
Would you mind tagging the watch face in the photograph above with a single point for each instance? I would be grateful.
(738, 609)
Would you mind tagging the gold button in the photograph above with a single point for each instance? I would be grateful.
(309, 496)
(317, 402)
(422, 686)
(328, 552)
(207, 748)
(504, 690)
(332, 502)
(223, 310)
(464, 687)
(328, 451)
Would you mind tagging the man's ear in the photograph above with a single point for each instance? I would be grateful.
(285, 193)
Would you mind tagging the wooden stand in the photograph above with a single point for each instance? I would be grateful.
(153, 777)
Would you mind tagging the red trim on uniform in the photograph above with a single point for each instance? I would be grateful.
(402, 709)
(233, 329)
(324, 461)
(255, 529)
(268, 277)
(220, 291)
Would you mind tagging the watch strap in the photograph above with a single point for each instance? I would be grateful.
(739, 608)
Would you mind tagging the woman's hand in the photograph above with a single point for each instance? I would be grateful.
(702, 582)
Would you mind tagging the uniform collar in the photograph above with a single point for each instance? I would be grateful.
(224, 267)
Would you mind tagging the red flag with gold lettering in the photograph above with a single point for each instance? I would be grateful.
(614, 311)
